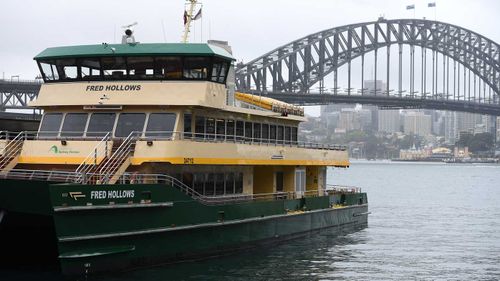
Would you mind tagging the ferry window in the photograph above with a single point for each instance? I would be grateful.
(90, 68)
(100, 124)
(187, 179)
(265, 132)
(209, 184)
(230, 129)
(74, 124)
(168, 67)
(256, 131)
(210, 128)
(216, 68)
(140, 67)
(294, 134)
(49, 71)
(199, 183)
(221, 128)
(50, 125)
(240, 129)
(223, 72)
(248, 130)
(187, 125)
(280, 133)
(128, 123)
(219, 183)
(114, 68)
(199, 127)
(272, 133)
(160, 125)
(67, 68)
(238, 183)
(229, 183)
(196, 68)
(287, 134)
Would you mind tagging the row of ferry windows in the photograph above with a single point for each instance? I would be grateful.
(160, 125)
(135, 68)
(99, 124)
(213, 183)
(216, 128)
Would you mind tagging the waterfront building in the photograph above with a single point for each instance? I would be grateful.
(417, 123)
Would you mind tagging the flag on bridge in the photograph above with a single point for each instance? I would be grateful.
(431, 4)
(410, 7)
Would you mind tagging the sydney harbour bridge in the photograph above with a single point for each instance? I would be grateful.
(405, 63)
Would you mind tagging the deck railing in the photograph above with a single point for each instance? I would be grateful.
(176, 135)
(135, 178)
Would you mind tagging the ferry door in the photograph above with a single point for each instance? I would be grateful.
(300, 181)
(279, 181)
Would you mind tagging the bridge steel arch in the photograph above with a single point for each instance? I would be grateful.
(295, 67)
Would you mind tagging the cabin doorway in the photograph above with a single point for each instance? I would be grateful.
(279, 181)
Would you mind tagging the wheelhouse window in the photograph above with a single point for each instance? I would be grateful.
(256, 131)
(50, 125)
(100, 124)
(169, 68)
(90, 68)
(140, 68)
(128, 123)
(196, 67)
(206, 68)
(67, 69)
(161, 125)
(49, 71)
(74, 124)
(114, 68)
(287, 135)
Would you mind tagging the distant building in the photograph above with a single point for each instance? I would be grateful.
(417, 123)
(389, 121)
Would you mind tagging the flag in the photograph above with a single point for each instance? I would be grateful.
(432, 4)
(185, 17)
(198, 15)
(410, 7)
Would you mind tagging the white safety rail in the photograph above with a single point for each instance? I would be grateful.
(11, 150)
(122, 154)
(91, 163)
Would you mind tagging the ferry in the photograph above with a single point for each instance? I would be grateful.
(146, 154)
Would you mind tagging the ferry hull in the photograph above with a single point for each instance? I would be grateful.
(100, 228)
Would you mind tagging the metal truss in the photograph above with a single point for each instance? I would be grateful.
(295, 67)
(17, 94)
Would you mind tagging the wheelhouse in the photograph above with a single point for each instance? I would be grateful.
(105, 62)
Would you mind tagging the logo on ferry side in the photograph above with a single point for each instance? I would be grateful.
(113, 88)
(56, 150)
(77, 194)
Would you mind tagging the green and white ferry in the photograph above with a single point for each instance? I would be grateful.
(146, 155)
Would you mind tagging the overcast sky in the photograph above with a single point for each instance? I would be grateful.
(252, 27)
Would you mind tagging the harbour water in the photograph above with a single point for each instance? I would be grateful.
(428, 222)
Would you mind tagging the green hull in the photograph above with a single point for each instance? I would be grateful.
(102, 228)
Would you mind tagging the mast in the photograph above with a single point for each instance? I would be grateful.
(189, 17)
